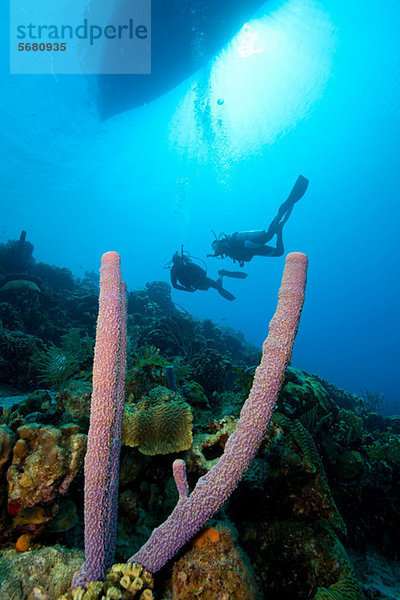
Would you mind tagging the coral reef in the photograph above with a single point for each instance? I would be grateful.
(74, 401)
(147, 373)
(6, 444)
(12, 286)
(209, 446)
(325, 504)
(342, 398)
(122, 582)
(17, 355)
(379, 577)
(16, 255)
(323, 462)
(40, 574)
(55, 367)
(347, 586)
(160, 423)
(213, 570)
(211, 370)
(45, 461)
(215, 487)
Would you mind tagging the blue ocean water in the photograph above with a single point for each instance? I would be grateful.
(308, 87)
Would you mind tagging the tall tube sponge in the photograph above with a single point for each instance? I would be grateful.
(213, 489)
(104, 437)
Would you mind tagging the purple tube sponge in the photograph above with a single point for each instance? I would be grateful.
(179, 472)
(111, 528)
(104, 437)
(211, 491)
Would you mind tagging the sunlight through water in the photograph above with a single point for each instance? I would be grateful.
(259, 86)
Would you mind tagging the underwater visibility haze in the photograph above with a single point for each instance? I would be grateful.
(248, 98)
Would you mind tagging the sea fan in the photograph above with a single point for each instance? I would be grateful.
(56, 366)
(81, 349)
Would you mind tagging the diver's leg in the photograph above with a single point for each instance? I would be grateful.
(298, 191)
(285, 209)
(264, 250)
(210, 283)
(279, 250)
(218, 286)
(259, 237)
(267, 251)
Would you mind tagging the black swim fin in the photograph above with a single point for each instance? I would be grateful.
(234, 274)
(298, 191)
(227, 295)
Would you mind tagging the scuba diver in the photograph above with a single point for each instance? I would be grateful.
(189, 277)
(243, 245)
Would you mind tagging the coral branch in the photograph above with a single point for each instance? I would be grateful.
(214, 488)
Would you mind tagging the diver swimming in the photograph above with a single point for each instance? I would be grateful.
(242, 246)
(188, 276)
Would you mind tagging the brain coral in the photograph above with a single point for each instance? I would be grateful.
(20, 285)
(159, 424)
(347, 586)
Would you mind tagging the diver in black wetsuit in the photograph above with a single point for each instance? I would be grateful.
(189, 277)
(243, 245)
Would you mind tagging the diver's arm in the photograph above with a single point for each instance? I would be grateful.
(178, 286)
(174, 281)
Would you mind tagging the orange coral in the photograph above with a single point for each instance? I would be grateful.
(217, 571)
(23, 543)
(206, 535)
